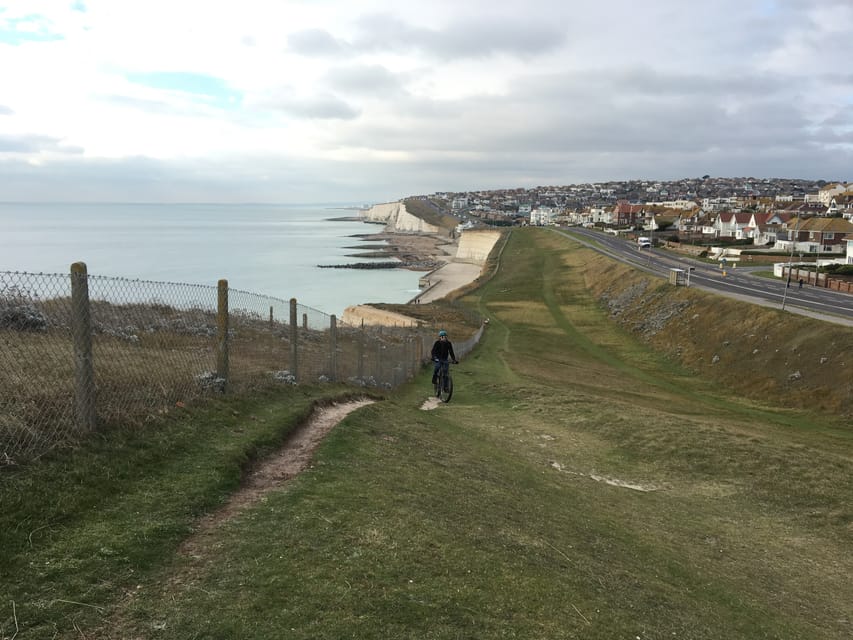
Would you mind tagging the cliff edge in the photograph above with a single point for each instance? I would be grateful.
(398, 219)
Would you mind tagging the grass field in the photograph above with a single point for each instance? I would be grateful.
(583, 483)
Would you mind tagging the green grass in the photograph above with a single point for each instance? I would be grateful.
(579, 485)
(81, 527)
(765, 274)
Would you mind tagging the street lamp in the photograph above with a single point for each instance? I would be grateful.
(817, 261)
(790, 258)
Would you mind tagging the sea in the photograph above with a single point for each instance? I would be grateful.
(269, 249)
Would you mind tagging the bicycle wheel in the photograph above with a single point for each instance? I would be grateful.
(446, 391)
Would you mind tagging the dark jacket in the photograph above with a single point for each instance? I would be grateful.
(442, 349)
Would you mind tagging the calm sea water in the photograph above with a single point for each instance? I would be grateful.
(267, 249)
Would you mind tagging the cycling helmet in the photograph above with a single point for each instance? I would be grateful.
(442, 333)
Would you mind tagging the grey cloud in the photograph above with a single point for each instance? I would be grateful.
(843, 118)
(620, 112)
(279, 179)
(141, 179)
(364, 79)
(5, 111)
(314, 42)
(645, 82)
(473, 39)
(34, 143)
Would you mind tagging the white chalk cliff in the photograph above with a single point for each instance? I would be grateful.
(396, 218)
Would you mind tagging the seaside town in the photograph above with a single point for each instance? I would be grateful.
(810, 216)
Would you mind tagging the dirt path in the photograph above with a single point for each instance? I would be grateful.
(200, 547)
(293, 458)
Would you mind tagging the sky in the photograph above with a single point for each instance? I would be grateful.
(371, 101)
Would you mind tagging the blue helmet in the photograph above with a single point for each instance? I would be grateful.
(442, 333)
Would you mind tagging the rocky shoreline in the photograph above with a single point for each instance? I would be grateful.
(416, 252)
(362, 265)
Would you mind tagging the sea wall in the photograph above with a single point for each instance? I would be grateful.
(397, 218)
(475, 245)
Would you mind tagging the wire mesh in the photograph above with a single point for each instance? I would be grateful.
(152, 345)
(36, 363)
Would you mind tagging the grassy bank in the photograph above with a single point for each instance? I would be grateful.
(583, 483)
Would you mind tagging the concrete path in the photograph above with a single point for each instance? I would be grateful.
(448, 278)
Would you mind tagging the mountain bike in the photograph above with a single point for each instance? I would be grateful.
(444, 382)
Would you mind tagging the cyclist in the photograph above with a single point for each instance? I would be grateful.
(442, 351)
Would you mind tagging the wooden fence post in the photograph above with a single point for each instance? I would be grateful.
(81, 330)
(294, 348)
(333, 348)
(360, 356)
(222, 334)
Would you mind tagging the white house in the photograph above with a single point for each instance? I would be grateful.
(731, 225)
(459, 203)
(541, 216)
(827, 193)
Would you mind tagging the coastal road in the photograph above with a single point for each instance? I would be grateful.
(736, 282)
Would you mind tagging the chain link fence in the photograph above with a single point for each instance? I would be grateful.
(78, 351)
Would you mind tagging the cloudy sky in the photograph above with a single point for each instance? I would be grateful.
(369, 100)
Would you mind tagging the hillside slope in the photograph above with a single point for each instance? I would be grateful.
(760, 352)
(579, 485)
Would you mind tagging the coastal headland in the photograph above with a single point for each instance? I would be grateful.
(451, 260)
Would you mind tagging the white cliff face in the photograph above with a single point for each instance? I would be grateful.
(396, 217)
(386, 212)
(407, 222)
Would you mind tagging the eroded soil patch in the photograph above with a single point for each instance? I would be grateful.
(293, 458)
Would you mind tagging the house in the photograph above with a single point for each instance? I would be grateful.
(827, 193)
(817, 235)
(598, 215)
(764, 228)
(689, 221)
(626, 214)
(842, 204)
(830, 234)
(731, 225)
(459, 204)
(660, 220)
(804, 209)
(542, 216)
